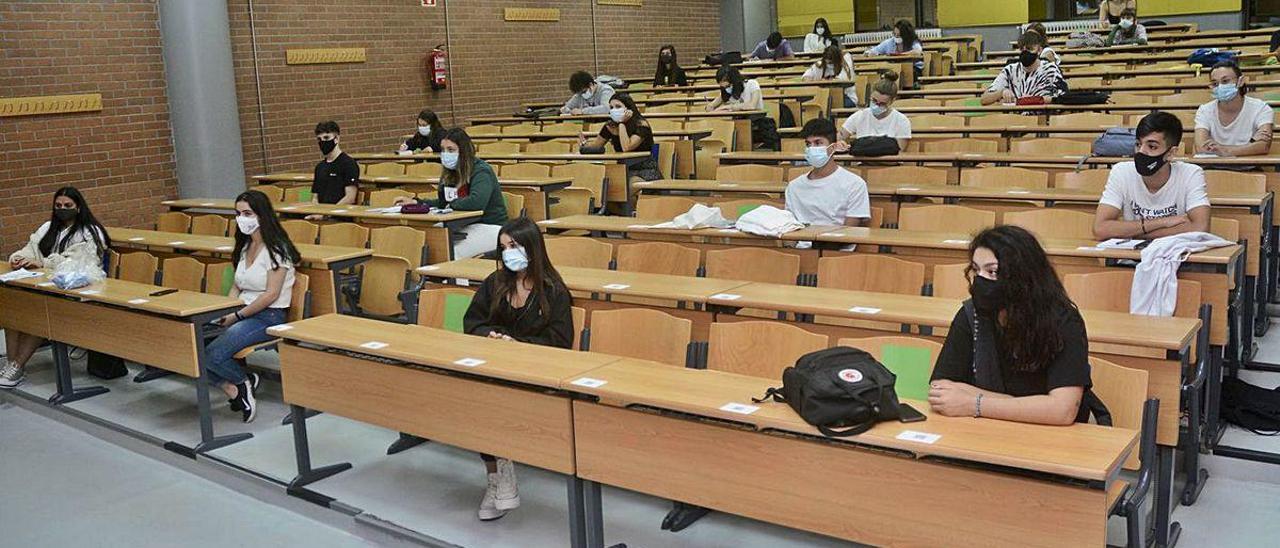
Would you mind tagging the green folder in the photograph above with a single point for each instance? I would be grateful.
(455, 307)
(975, 102)
(745, 209)
(912, 367)
(304, 195)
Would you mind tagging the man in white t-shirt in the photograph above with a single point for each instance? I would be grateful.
(1152, 197)
(1232, 124)
(879, 119)
(828, 194)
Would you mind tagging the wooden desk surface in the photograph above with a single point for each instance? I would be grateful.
(311, 253)
(657, 101)
(415, 344)
(1113, 58)
(1113, 86)
(869, 236)
(521, 132)
(651, 115)
(1083, 451)
(988, 75)
(417, 180)
(1188, 44)
(940, 191)
(638, 284)
(1038, 109)
(772, 157)
(135, 296)
(347, 211)
(528, 157)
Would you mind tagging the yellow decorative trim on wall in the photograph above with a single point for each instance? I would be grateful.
(531, 14)
(636, 3)
(50, 104)
(323, 55)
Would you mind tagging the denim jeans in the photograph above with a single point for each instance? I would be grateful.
(247, 332)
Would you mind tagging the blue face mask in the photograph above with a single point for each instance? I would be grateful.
(515, 259)
(1225, 92)
(617, 114)
(877, 110)
(449, 160)
(817, 156)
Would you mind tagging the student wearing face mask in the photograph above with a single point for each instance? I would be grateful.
(669, 72)
(904, 40)
(427, 136)
(773, 48)
(627, 131)
(1029, 76)
(834, 65)
(828, 194)
(821, 38)
(1046, 52)
(589, 96)
(1110, 12)
(1152, 197)
(337, 175)
(1017, 349)
(879, 119)
(738, 93)
(264, 259)
(467, 183)
(526, 301)
(72, 232)
(1233, 124)
(1128, 31)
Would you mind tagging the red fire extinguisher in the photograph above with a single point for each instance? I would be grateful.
(438, 67)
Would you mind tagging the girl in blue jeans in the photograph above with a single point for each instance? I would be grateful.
(264, 259)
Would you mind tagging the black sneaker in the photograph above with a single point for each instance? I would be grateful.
(254, 380)
(244, 398)
(235, 404)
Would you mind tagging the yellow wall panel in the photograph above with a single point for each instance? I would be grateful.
(1149, 8)
(795, 17)
(967, 13)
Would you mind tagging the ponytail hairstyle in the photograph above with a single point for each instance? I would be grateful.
(887, 84)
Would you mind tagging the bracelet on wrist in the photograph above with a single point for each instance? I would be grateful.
(977, 406)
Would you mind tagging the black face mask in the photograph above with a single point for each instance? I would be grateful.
(327, 146)
(1148, 165)
(988, 295)
(1028, 58)
(65, 215)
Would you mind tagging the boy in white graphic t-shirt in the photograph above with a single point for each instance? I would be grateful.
(1152, 197)
(828, 194)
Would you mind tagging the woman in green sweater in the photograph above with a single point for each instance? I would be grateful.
(468, 184)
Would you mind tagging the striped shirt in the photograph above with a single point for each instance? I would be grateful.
(1047, 81)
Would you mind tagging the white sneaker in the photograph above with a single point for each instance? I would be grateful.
(488, 510)
(506, 495)
(11, 375)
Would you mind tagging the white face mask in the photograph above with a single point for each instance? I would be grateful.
(820, 30)
(586, 94)
(728, 89)
(247, 225)
(424, 130)
(617, 114)
(897, 40)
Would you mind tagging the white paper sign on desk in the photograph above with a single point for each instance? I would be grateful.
(726, 296)
(741, 408)
(864, 310)
(589, 382)
(616, 286)
(374, 345)
(138, 301)
(19, 274)
(469, 362)
(919, 437)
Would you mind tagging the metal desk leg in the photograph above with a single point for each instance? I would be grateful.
(1213, 395)
(302, 450)
(594, 508)
(577, 512)
(208, 442)
(1167, 532)
(67, 392)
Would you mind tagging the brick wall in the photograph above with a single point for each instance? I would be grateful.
(121, 157)
(495, 65)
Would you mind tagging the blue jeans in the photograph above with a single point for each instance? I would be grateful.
(247, 332)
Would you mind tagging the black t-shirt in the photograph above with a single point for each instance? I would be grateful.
(418, 142)
(1070, 367)
(333, 178)
(642, 129)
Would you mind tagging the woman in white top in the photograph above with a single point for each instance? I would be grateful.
(78, 235)
(736, 93)
(879, 119)
(1233, 124)
(835, 65)
(903, 41)
(264, 259)
(820, 39)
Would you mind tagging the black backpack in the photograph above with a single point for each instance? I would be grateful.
(1253, 408)
(878, 145)
(1082, 97)
(838, 387)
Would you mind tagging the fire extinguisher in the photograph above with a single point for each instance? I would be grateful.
(438, 67)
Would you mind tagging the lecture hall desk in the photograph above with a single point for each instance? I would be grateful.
(123, 319)
(741, 118)
(438, 227)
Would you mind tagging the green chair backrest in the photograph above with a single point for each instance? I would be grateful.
(912, 367)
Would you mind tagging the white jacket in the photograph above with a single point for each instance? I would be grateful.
(699, 216)
(1155, 282)
(768, 221)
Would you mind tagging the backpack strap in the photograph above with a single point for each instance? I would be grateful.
(863, 426)
(986, 368)
(772, 393)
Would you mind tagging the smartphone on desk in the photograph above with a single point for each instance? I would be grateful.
(906, 413)
(163, 292)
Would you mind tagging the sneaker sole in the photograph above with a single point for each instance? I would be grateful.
(253, 407)
(13, 385)
(506, 504)
(496, 517)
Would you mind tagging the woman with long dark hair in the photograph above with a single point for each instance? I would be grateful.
(904, 40)
(669, 72)
(1017, 350)
(523, 300)
(821, 38)
(738, 93)
(428, 134)
(468, 183)
(834, 65)
(72, 232)
(627, 131)
(265, 260)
